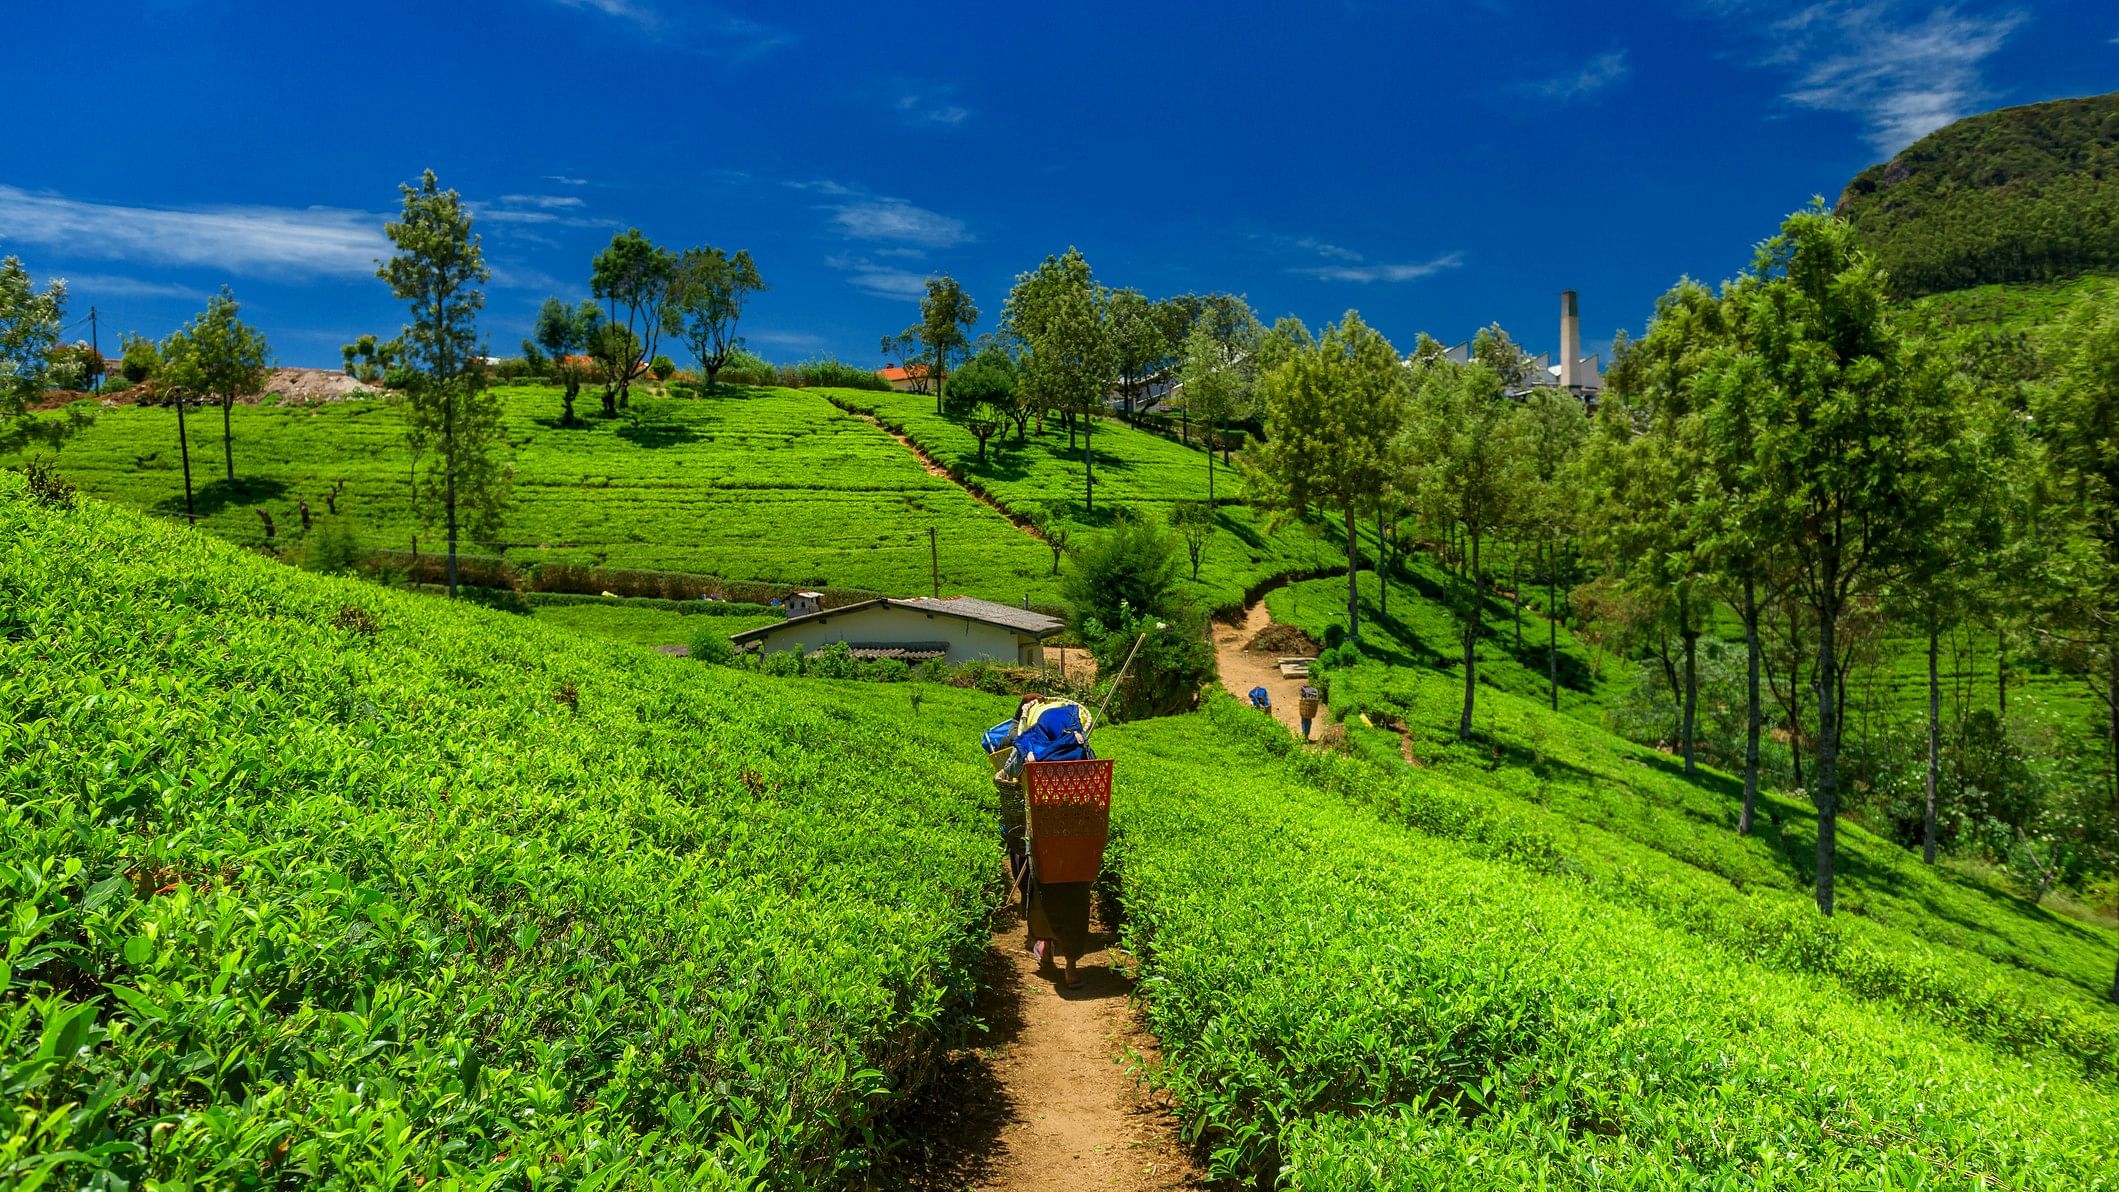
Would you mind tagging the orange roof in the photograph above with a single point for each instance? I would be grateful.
(895, 373)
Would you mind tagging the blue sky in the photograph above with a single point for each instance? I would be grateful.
(1435, 166)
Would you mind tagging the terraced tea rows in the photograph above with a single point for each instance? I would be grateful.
(311, 880)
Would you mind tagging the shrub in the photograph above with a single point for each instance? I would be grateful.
(661, 367)
(782, 663)
(835, 661)
(139, 361)
(1131, 566)
(709, 644)
(827, 372)
(46, 486)
(889, 670)
(332, 548)
(1174, 658)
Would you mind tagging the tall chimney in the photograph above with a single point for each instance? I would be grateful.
(1570, 341)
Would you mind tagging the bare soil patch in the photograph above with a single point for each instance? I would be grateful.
(1283, 641)
(1243, 668)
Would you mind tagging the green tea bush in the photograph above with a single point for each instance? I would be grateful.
(426, 897)
(711, 645)
(1345, 1004)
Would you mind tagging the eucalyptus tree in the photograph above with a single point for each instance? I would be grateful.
(438, 270)
(30, 325)
(1467, 472)
(1139, 345)
(1336, 413)
(1060, 316)
(1214, 386)
(1841, 453)
(713, 287)
(217, 356)
(947, 316)
(1655, 496)
(1553, 426)
(564, 332)
(637, 282)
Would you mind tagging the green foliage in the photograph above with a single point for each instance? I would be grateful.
(572, 911)
(140, 360)
(947, 315)
(332, 547)
(637, 281)
(1132, 565)
(712, 288)
(709, 643)
(29, 330)
(828, 372)
(1194, 523)
(1171, 657)
(986, 377)
(216, 356)
(661, 367)
(1536, 983)
(2020, 195)
(835, 661)
(1061, 317)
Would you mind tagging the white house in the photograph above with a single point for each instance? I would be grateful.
(958, 629)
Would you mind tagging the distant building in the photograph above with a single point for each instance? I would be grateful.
(1580, 375)
(958, 629)
(913, 379)
(801, 604)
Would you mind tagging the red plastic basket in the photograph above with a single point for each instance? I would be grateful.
(1070, 818)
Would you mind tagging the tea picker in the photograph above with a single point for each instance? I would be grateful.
(1055, 816)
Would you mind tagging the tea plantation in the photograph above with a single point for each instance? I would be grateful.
(312, 882)
(1512, 989)
(773, 485)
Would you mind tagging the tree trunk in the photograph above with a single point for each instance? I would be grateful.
(1210, 480)
(1353, 587)
(191, 516)
(1383, 570)
(712, 371)
(1552, 631)
(2111, 691)
(1927, 839)
(1688, 728)
(610, 402)
(1088, 466)
(1754, 715)
(2001, 671)
(1471, 646)
(1515, 583)
(1826, 793)
(448, 460)
(228, 436)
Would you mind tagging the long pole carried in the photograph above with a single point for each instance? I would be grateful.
(1137, 643)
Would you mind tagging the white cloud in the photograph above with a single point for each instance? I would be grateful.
(1365, 272)
(281, 241)
(564, 180)
(798, 341)
(863, 216)
(932, 107)
(91, 287)
(683, 25)
(1593, 76)
(1903, 75)
(884, 281)
(545, 201)
(1344, 264)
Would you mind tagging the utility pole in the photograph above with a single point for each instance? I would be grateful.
(934, 562)
(95, 345)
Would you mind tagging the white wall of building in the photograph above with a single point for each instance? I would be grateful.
(882, 625)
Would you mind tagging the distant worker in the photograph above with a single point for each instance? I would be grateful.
(1261, 698)
(1306, 703)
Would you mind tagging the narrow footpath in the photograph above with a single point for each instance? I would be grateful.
(1243, 669)
(1047, 1099)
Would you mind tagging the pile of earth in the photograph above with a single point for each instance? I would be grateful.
(1285, 641)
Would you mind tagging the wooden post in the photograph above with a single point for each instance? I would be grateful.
(934, 562)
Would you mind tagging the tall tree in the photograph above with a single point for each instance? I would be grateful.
(1058, 313)
(566, 332)
(1467, 477)
(217, 356)
(713, 288)
(1656, 499)
(438, 270)
(29, 330)
(1215, 386)
(636, 280)
(1841, 451)
(947, 316)
(1335, 414)
(1553, 425)
(1140, 347)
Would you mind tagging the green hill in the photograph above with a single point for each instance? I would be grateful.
(2025, 194)
(321, 883)
(774, 486)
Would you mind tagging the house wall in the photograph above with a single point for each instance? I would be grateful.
(882, 626)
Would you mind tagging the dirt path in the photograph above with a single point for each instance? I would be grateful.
(1243, 669)
(1046, 1101)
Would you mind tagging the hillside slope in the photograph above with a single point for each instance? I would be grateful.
(2022, 194)
(312, 881)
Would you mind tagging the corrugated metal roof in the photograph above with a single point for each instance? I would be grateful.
(970, 608)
